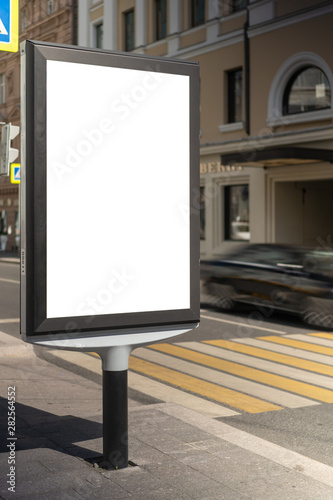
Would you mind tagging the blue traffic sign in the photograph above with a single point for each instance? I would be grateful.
(9, 36)
(15, 173)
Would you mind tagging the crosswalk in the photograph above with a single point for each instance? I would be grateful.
(220, 378)
(245, 375)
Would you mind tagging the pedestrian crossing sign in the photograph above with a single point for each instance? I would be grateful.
(15, 173)
(9, 33)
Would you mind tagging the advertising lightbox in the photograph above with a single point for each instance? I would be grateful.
(109, 191)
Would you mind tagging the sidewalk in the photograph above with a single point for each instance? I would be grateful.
(10, 257)
(175, 453)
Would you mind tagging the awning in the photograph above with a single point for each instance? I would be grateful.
(276, 157)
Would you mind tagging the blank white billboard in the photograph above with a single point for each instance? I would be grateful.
(118, 225)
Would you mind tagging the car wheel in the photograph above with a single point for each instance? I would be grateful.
(317, 312)
(218, 295)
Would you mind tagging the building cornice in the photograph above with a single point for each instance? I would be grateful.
(318, 134)
(289, 20)
(221, 42)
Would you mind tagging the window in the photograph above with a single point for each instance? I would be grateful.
(235, 96)
(3, 222)
(129, 30)
(287, 93)
(236, 5)
(160, 19)
(307, 90)
(2, 88)
(197, 12)
(24, 19)
(99, 36)
(50, 7)
(237, 213)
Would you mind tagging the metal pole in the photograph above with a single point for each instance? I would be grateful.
(115, 419)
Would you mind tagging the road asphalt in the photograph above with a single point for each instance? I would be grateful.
(52, 442)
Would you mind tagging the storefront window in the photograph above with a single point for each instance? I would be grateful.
(3, 222)
(237, 213)
(202, 214)
(3, 230)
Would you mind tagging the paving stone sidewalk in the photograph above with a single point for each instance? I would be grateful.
(175, 453)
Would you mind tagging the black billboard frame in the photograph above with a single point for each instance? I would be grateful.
(34, 320)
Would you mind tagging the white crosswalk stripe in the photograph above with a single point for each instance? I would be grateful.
(219, 378)
(239, 384)
(268, 366)
(310, 339)
(291, 351)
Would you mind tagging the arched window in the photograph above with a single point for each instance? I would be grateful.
(307, 90)
(301, 91)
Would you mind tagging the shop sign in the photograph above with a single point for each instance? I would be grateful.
(217, 168)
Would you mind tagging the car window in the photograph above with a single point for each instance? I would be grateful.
(266, 255)
(319, 261)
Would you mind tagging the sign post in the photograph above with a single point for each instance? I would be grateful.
(115, 419)
(109, 209)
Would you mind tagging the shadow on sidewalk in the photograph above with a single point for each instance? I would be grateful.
(39, 429)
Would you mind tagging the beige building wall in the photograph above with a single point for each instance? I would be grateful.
(279, 33)
(213, 92)
(270, 50)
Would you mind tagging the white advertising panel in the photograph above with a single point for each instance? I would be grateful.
(117, 190)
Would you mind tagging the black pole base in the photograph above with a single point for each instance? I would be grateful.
(115, 420)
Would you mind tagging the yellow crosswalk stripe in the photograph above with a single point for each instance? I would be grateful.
(308, 390)
(323, 335)
(207, 389)
(285, 359)
(298, 344)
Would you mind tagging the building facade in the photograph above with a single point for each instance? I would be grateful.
(50, 21)
(266, 107)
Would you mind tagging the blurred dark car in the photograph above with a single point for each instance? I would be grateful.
(274, 277)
